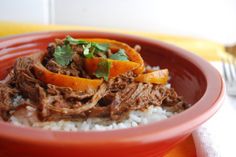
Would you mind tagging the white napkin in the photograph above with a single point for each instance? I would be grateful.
(217, 137)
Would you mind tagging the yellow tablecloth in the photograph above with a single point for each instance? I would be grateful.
(203, 48)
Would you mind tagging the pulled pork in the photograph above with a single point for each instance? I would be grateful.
(114, 99)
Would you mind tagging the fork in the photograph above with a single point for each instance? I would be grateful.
(229, 73)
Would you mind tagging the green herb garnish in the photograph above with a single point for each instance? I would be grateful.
(86, 51)
(101, 47)
(88, 46)
(103, 69)
(63, 55)
(76, 41)
(119, 55)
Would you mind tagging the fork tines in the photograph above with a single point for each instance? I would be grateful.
(229, 73)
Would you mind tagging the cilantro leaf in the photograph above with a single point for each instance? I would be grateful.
(86, 51)
(89, 47)
(75, 41)
(63, 55)
(119, 55)
(92, 48)
(101, 47)
(103, 69)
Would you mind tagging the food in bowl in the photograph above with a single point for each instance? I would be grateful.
(87, 84)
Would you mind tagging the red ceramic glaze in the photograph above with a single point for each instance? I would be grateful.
(194, 78)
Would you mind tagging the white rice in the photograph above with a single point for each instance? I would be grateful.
(17, 100)
(148, 67)
(136, 118)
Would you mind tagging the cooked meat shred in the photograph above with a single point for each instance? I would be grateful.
(26, 114)
(6, 100)
(114, 99)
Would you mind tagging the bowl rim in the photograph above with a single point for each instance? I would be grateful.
(207, 105)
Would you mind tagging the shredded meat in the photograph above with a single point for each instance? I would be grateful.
(26, 114)
(6, 100)
(57, 104)
(139, 96)
(72, 70)
(114, 99)
(6, 95)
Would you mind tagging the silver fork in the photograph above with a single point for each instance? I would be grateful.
(229, 73)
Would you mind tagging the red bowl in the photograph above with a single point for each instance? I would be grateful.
(192, 77)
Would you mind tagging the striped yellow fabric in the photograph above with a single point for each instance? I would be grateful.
(204, 48)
